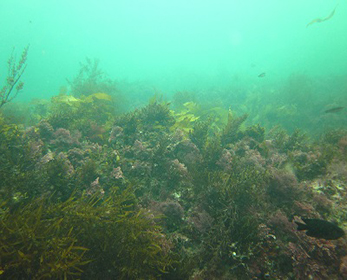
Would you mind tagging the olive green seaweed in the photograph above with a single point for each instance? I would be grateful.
(69, 239)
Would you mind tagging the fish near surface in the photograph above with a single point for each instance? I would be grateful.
(262, 75)
(319, 20)
(321, 229)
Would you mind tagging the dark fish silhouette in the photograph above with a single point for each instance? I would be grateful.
(321, 229)
(262, 75)
(334, 110)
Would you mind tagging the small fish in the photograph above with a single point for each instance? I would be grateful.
(262, 75)
(334, 110)
(319, 20)
(321, 229)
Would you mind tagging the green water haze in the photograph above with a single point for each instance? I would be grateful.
(157, 139)
(174, 44)
(215, 49)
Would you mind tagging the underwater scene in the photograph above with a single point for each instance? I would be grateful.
(173, 140)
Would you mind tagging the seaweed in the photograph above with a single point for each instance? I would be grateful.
(15, 72)
(231, 132)
(156, 115)
(68, 239)
(34, 245)
(232, 200)
(212, 152)
(185, 119)
(200, 133)
(91, 79)
(158, 194)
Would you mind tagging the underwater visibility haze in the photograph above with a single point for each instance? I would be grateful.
(173, 139)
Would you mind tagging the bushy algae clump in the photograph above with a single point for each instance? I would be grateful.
(83, 235)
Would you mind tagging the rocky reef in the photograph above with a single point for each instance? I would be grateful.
(154, 193)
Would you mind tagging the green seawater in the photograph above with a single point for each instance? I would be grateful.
(182, 139)
(215, 49)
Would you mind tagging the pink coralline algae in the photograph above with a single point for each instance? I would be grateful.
(283, 185)
(75, 155)
(178, 136)
(117, 173)
(45, 129)
(303, 209)
(178, 169)
(280, 224)
(141, 151)
(314, 258)
(63, 160)
(171, 208)
(173, 211)
(93, 148)
(322, 203)
(95, 187)
(225, 161)
(141, 168)
(138, 146)
(343, 267)
(338, 170)
(31, 133)
(254, 158)
(115, 133)
(63, 138)
(277, 160)
(201, 221)
(306, 158)
(188, 153)
(343, 145)
(94, 132)
(35, 149)
(68, 167)
(46, 158)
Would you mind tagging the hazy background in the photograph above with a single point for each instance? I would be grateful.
(173, 45)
